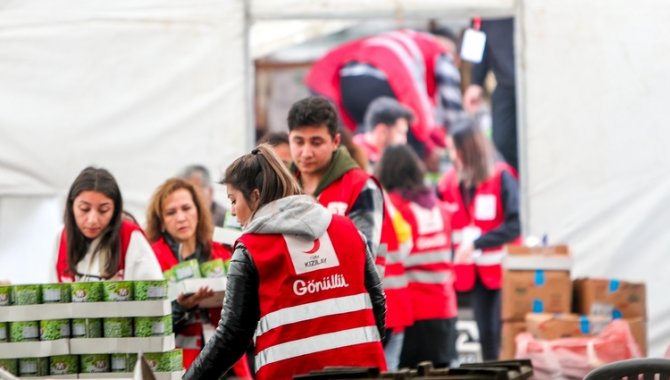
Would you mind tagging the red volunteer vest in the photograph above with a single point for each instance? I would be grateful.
(314, 308)
(62, 271)
(429, 268)
(398, 302)
(339, 197)
(487, 266)
(389, 57)
(189, 338)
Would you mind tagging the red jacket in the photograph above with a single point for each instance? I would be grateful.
(485, 213)
(314, 308)
(429, 268)
(387, 55)
(62, 271)
(189, 338)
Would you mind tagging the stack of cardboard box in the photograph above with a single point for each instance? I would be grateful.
(535, 280)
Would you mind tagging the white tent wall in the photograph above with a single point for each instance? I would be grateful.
(140, 88)
(594, 94)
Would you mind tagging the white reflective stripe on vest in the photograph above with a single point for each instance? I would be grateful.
(490, 258)
(313, 310)
(395, 282)
(317, 343)
(456, 236)
(425, 258)
(428, 277)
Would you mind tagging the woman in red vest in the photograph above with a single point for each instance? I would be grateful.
(483, 197)
(180, 228)
(432, 337)
(97, 242)
(302, 282)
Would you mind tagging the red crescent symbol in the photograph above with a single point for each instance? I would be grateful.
(317, 245)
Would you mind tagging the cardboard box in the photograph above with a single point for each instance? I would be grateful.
(509, 331)
(126, 309)
(80, 346)
(610, 297)
(191, 285)
(34, 349)
(554, 257)
(536, 291)
(555, 326)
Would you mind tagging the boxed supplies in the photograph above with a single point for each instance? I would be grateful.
(610, 297)
(536, 279)
(191, 285)
(555, 326)
(509, 331)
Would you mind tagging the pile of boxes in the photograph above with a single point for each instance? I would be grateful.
(538, 296)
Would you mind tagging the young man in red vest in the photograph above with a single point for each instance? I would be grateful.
(325, 170)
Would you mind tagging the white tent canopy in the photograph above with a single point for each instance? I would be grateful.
(146, 87)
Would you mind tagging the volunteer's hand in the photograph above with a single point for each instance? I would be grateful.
(473, 98)
(192, 300)
(464, 253)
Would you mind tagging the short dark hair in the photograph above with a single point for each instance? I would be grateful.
(313, 111)
(387, 111)
(274, 138)
(400, 169)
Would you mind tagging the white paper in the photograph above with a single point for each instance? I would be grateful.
(472, 49)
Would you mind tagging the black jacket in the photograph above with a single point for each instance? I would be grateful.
(241, 312)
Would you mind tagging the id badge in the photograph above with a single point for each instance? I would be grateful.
(485, 207)
(472, 49)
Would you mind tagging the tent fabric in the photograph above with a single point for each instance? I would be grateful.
(594, 171)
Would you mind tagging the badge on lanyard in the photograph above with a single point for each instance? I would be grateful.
(474, 42)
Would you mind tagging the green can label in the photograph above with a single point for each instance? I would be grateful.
(165, 361)
(63, 365)
(187, 269)
(117, 291)
(87, 328)
(34, 367)
(10, 365)
(150, 290)
(86, 291)
(5, 295)
(117, 327)
(213, 268)
(54, 329)
(94, 363)
(4, 336)
(56, 293)
(123, 362)
(24, 331)
(153, 326)
(26, 294)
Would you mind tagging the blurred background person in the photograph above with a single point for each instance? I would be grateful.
(271, 266)
(279, 143)
(97, 242)
(429, 270)
(180, 228)
(200, 177)
(386, 123)
(498, 58)
(483, 197)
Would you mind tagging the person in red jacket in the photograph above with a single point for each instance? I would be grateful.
(180, 228)
(302, 281)
(97, 242)
(429, 270)
(483, 196)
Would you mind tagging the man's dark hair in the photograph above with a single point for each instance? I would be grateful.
(274, 138)
(387, 111)
(313, 111)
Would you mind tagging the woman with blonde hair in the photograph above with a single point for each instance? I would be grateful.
(180, 228)
(302, 282)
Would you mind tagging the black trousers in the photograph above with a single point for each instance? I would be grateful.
(432, 339)
(503, 113)
(486, 307)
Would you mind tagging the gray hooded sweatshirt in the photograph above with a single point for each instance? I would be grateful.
(297, 215)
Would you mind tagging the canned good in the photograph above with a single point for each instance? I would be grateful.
(117, 327)
(27, 331)
(150, 290)
(34, 367)
(56, 293)
(26, 294)
(63, 365)
(117, 291)
(94, 363)
(86, 291)
(54, 329)
(87, 328)
(153, 326)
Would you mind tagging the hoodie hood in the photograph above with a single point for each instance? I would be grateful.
(294, 215)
